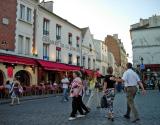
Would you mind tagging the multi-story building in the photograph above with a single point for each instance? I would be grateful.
(57, 40)
(101, 56)
(116, 48)
(146, 43)
(17, 38)
(36, 45)
(88, 50)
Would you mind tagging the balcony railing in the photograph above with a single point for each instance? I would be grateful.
(58, 60)
(70, 62)
(45, 32)
(46, 57)
(58, 37)
(78, 64)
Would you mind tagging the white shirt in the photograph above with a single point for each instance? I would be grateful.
(65, 82)
(130, 77)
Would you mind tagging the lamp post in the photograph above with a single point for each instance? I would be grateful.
(142, 68)
(141, 60)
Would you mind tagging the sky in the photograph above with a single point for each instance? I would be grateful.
(107, 17)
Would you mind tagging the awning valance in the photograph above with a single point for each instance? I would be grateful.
(48, 65)
(17, 60)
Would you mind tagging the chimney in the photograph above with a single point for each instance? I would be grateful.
(141, 22)
(115, 36)
(48, 5)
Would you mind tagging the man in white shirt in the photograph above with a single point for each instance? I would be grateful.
(131, 80)
(65, 83)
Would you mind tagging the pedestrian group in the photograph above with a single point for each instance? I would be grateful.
(78, 89)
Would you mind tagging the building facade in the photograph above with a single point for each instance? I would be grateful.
(101, 56)
(116, 48)
(18, 24)
(36, 45)
(88, 50)
(146, 43)
(57, 40)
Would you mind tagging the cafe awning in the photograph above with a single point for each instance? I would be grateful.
(17, 60)
(48, 65)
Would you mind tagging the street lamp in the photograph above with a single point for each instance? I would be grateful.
(141, 60)
(142, 67)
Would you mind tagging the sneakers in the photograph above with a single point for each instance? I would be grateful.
(11, 104)
(80, 116)
(135, 120)
(86, 112)
(71, 118)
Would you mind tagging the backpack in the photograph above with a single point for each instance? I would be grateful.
(104, 102)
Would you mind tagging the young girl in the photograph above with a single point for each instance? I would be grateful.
(15, 91)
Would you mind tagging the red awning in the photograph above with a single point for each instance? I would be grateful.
(98, 74)
(152, 67)
(89, 72)
(48, 65)
(17, 60)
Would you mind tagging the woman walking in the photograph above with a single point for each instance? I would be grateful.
(76, 94)
(94, 91)
(109, 91)
(15, 91)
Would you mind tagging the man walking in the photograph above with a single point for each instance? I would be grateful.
(65, 83)
(131, 79)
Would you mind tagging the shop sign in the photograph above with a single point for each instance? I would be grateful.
(10, 72)
(59, 44)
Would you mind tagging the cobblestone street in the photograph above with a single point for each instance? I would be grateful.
(51, 111)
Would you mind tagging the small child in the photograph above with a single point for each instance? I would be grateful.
(15, 93)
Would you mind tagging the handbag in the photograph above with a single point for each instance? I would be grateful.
(104, 102)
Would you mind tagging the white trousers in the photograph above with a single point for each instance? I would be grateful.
(94, 97)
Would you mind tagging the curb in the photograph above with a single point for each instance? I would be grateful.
(22, 99)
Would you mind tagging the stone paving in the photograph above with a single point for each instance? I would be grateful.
(51, 111)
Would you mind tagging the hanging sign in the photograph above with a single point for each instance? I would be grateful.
(10, 72)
